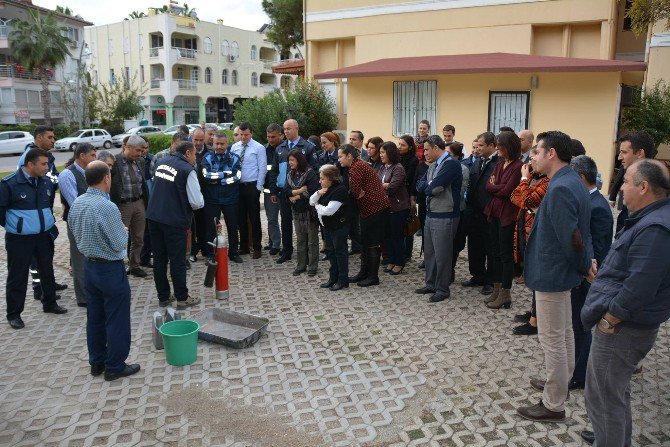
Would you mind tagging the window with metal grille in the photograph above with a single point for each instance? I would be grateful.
(413, 101)
(509, 109)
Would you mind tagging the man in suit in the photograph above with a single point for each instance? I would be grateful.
(602, 223)
(479, 239)
(559, 253)
(527, 138)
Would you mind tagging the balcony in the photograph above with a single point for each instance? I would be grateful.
(187, 84)
(37, 111)
(185, 53)
(153, 52)
(156, 83)
(267, 88)
(268, 63)
(19, 72)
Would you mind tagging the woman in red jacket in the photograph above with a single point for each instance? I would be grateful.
(502, 214)
(366, 189)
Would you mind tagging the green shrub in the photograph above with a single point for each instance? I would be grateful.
(159, 142)
(22, 127)
(651, 113)
(62, 131)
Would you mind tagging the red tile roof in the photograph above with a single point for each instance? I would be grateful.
(290, 67)
(480, 63)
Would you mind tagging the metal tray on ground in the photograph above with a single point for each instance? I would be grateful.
(230, 328)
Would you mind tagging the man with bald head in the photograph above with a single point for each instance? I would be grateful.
(129, 191)
(627, 302)
(527, 138)
(278, 180)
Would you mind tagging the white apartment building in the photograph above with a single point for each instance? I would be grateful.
(192, 70)
(20, 100)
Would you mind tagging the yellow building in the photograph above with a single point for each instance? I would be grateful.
(193, 70)
(479, 65)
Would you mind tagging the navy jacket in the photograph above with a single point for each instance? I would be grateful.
(633, 283)
(26, 209)
(220, 173)
(280, 164)
(169, 203)
(559, 249)
(477, 195)
(602, 225)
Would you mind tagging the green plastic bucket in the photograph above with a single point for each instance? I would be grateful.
(180, 338)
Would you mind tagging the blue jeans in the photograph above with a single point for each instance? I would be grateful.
(395, 239)
(337, 252)
(612, 361)
(108, 314)
(272, 214)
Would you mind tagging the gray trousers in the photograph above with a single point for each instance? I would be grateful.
(438, 241)
(612, 361)
(133, 216)
(307, 241)
(272, 214)
(77, 260)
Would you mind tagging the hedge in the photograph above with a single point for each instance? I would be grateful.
(158, 142)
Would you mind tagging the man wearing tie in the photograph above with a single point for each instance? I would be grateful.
(254, 167)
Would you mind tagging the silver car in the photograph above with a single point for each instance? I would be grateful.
(15, 141)
(117, 140)
(94, 137)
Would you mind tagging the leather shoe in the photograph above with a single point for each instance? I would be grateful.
(17, 323)
(60, 287)
(424, 290)
(487, 289)
(297, 272)
(82, 304)
(55, 309)
(129, 370)
(338, 286)
(274, 251)
(283, 258)
(435, 298)
(539, 413)
(138, 272)
(525, 329)
(522, 318)
(471, 283)
(326, 285)
(257, 254)
(237, 259)
(244, 252)
(96, 370)
(588, 436)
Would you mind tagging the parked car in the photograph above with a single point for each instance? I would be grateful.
(117, 140)
(227, 126)
(94, 137)
(14, 141)
(171, 130)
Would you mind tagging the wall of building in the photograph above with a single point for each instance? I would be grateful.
(562, 101)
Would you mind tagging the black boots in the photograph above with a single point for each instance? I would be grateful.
(373, 260)
(363, 273)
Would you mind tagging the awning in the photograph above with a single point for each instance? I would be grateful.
(480, 63)
(293, 67)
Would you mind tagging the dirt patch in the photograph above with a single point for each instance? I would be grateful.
(230, 416)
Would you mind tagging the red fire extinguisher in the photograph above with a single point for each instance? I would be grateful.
(217, 266)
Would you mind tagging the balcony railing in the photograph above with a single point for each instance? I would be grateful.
(37, 109)
(187, 84)
(286, 61)
(156, 83)
(4, 31)
(268, 63)
(153, 52)
(19, 72)
(186, 52)
(268, 87)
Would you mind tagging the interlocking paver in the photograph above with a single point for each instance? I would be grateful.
(369, 367)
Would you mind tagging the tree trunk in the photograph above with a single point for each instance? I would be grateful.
(45, 95)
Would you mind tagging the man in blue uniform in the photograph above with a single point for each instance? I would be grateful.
(26, 198)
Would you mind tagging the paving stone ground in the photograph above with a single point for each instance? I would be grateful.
(373, 367)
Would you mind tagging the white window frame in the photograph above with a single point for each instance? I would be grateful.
(509, 108)
(225, 48)
(207, 45)
(254, 79)
(208, 75)
(413, 101)
(253, 53)
(235, 49)
(224, 76)
(234, 77)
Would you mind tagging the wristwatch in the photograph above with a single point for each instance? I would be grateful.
(606, 324)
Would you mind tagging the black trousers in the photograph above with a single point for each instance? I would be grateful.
(249, 208)
(145, 254)
(199, 234)
(286, 215)
(354, 226)
(460, 237)
(479, 248)
(20, 252)
(582, 335)
(502, 253)
(169, 246)
(213, 211)
(374, 228)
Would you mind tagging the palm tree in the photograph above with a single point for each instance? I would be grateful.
(135, 15)
(40, 44)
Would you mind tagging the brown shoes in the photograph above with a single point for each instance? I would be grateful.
(539, 413)
(257, 254)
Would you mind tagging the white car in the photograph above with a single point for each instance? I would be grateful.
(117, 140)
(94, 137)
(15, 141)
(227, 126)
(171, 130)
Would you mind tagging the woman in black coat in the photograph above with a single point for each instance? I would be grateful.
(410, 162)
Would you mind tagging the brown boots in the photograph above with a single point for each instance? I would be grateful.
(494, 296)
(503, 299)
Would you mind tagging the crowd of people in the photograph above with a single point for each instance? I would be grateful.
(527, 208)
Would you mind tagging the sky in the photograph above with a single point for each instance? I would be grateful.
(245, 14)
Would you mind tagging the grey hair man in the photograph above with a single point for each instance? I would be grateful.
(527, 138)
(628, 301)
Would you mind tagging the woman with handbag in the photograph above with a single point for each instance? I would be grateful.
(410, 162)
(301, 183)
(393, 178)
